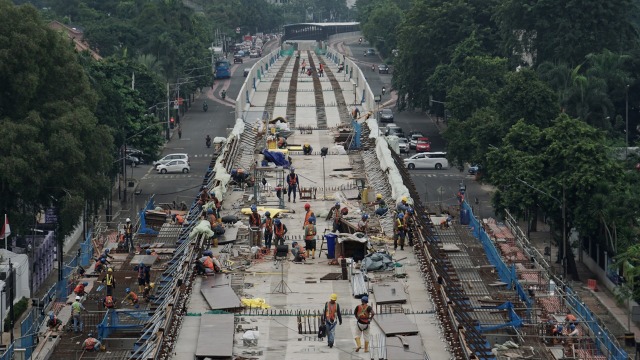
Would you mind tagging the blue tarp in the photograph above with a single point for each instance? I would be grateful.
(276, 158)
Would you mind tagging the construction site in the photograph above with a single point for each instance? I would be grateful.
(467, 288)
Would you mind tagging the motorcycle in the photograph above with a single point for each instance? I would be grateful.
(205, 107)
(224, 94)
(208, 141)
(373, 68)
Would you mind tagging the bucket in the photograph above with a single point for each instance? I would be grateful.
(331, 245)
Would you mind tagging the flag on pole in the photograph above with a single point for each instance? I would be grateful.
(6, 230)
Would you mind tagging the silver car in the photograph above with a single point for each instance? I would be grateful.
(403, 144)
(171, 157)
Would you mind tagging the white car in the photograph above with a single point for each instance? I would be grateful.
(403, 144)
(427, 160)
(171, 157)
(174, 166)
(413, 139)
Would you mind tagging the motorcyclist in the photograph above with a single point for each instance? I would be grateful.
(205, 107)
(208, 141)
(373, 68)
(224, 94)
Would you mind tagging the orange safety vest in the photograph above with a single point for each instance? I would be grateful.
(133, 295)
(362, 314)
(268, 225)
(79, 289)
(330, 314)
(179, 219)
(307, 216)
(279, 229)
(309, 232)
(293, 180)
(336, 214)
(208, 263)
(254, 219)
(90, 343)
(108, 302)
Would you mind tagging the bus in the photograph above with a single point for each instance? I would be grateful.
(222, 69)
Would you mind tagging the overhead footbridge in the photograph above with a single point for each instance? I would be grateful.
(317, 31)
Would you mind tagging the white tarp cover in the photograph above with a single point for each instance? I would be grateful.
(358, 236)
(398, 190)
(373, 126)
(219, 140)
(394, 142)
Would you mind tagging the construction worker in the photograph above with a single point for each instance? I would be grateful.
(207, 264)
(254, 226)
(204, 196)
(53, 323)
(399, 232)
(573, 331)
(280, 229)
(110, 281)
(310, 237)
(337, 216)
(409, 224)
(363, 224)
(131, 297)
(146, 294)
(308, 214)
(570, 319)
(297, 252)
(330, 314)
(307, 149)
(364, 314)
(108, 302)
(282, 142)
(211, 217)
(267, 225)
(100, 265)
(403, 205)
(382, 205)
(76, 311)
(178, 219)
(128, 235)
(106, 253)
(79, 290)
(143, 274)
(293, 181)
(355, 113)
(92, 344)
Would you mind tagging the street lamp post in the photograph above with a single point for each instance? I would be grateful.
(564, 222)
(626, 130)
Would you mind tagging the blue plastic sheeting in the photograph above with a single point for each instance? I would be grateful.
(514, 320)
(86, 250)
(115, 320)
(357, 127)
(143, 222)
(276, 158)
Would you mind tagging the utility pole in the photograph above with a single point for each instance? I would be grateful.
(626, 133)
(564, 237)
(168, 110)
(11, 286)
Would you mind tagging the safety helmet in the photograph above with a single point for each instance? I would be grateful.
(277, 221)
(365, 299)
(78, 298)
(400, 216)
(572, 327)
(152, 285)
(404, 199)
(254, 208)
(90, 335)
(103, 259)
(378, 196)
(293, 169)
(307, 206)
(267, 214)
(51, 316)
(85, 284)
(312, 219)
(337, 205)
(127, 290)
(148, 252)
(207, 253)
(306, 144)
(128, 220)
(365, 216)
(141, 264)
(293, 244)
(107, 250)
(333, 297)
(209, 211)
(234, 171)
(109, 270)
(410, 210)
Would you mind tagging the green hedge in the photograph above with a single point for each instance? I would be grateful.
(18, 309)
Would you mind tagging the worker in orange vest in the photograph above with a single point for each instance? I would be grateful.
(79, 290)
(131, 297)
(294, 182)
(280, 230)
(330, 314)
(91, 344)
(364, 315)
(254, 226)
(267, 225)
(310, 237)
(308, 214)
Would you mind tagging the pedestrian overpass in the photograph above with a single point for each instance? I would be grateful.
(317, 31)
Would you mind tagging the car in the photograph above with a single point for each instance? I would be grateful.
(139, 154)
(371, 51)
(170, 157)
(474, 169)
(174, 166)
(423, 145)
(394, 130)
(383, 69)
(254, 54)
(237, 57)
(131, 160)
(386, 115)
(403, 144)
(246, 72)
(428, 160)
(413, 139)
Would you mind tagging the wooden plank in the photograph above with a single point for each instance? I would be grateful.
(148, 260)
(395, 324)
(216, 281)
(397, 351)
(221, 298)
(215, 339)
(389, 293)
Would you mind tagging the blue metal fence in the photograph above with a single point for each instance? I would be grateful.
(122, 320)
(86, 250)
(8, 354)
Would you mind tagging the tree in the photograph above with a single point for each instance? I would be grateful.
(380, 26)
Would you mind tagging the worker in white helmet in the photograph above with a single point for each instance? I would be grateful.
(128, 235)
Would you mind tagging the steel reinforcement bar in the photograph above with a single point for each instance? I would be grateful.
(321, 114)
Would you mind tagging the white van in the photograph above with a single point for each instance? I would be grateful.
(427, 160)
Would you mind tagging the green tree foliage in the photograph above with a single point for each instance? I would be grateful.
(380, 26)
(566, 31)
(51, 144)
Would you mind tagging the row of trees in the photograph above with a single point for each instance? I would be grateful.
(536, 92)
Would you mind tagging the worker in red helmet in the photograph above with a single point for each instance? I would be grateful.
(308, 214)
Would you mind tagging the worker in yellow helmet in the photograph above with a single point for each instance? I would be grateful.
(331, 316)
(382, 205)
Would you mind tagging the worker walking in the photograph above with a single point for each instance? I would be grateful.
(267, 225)
(310, 237)
(110, 281)
(254, 226)
(330, 314)
(307, 215)
(76, 311)
(280, 229)
(128, 235)
(399, 232)
(364, 314)
(293, 181)
(143, 274)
